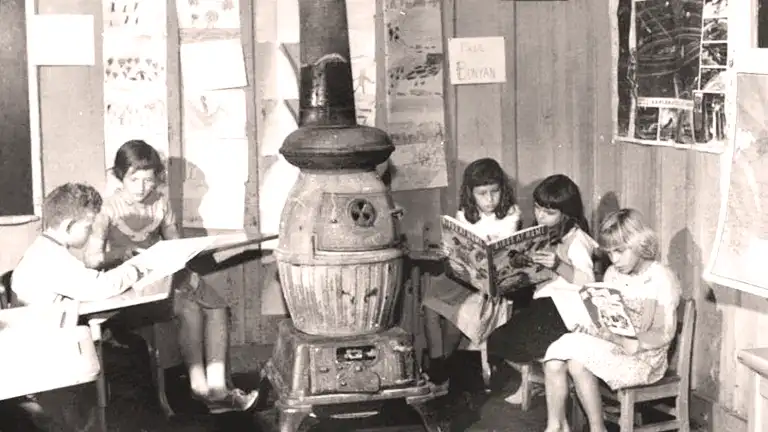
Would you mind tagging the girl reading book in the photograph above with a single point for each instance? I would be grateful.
(137, 215)
(487, 205)
(529, 332)
(650, 294)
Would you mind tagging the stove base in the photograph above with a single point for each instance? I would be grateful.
(350, 376)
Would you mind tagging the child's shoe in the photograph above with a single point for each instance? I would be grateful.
(438, 374)
(231, 400)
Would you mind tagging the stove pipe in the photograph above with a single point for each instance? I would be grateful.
(339, 254)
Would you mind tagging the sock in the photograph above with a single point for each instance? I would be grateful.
(216, 376)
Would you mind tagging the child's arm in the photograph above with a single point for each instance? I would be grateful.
(81, 283)
(94, 255)
(659, 324)
(169, 227)
(577, 267)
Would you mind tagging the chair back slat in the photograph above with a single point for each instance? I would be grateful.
(681, 348)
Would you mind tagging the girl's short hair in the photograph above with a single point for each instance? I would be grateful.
(627, 228)
(483, 172)
(559, 192)
(137, 155)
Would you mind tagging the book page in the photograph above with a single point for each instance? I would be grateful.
(512, 262)
(167, 257)
(606, 307)
(467, 254)
(571, 309)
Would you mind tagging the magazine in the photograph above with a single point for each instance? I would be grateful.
(498, 267)
(606, 307)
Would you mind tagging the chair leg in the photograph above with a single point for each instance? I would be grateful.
(683, 414)
(156, 368)
(576, 417)
(627, 414)
(101, 378)
(525, 386)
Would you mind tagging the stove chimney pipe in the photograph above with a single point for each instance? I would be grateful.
(328, 136)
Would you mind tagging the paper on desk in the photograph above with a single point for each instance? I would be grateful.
(167, 257)
(213, 65)
(61, 40)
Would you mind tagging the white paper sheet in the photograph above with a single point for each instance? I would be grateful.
(61, 40)
(213, 65)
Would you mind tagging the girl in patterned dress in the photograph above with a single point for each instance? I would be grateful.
(136, 216)
(651, 294)
(487, 202)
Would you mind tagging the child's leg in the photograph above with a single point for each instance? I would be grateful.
(556, 386)
(587, 388)
(191, 326)
(434, 333)
(216, 336)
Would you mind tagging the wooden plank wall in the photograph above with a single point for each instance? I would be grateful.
(554, 116)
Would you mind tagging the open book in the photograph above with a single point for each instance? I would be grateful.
(166, 257)
(495, 267)
(606, 308)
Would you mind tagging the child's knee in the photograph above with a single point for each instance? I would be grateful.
(555, 367)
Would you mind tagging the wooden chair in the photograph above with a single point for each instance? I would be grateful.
(676, 384)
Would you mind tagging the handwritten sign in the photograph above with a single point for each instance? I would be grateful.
(477, 60)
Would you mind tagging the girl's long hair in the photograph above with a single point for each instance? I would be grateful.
(483, 172)
(559, 192)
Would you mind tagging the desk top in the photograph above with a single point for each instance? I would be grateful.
(161, 290)
(755, 359)
(156, 291)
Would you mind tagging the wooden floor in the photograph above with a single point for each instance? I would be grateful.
(133, 407)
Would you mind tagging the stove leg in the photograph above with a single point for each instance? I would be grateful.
(291, 419)
(430, 417)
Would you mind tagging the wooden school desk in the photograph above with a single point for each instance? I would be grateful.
(756, 360)
(29, 343)
(97, 312)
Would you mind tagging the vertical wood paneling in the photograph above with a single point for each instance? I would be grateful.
(509, 151)
(478, 107)
(559, 115)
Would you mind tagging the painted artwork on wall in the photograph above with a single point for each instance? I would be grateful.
(741, 244)
(670, 56)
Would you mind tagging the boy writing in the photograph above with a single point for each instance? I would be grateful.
(48, 272)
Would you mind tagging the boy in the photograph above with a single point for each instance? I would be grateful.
(48, 272)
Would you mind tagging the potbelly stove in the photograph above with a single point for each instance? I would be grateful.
(339, 254)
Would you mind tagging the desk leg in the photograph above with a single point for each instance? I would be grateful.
(101, 380)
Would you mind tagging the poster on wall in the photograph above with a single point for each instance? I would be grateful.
(135, 84)
(415, 117)
(741, 245)
(669, 59)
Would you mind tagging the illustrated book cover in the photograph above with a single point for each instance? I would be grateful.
(606, 307)
(497, 267)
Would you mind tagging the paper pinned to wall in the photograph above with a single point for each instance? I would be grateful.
(361, 18)
(208, 14)
(216, 114)
(135, 91)
(216, 171)
(61, 40)
(213, 65)
(415, 110)
(137, 16)
(477, 60)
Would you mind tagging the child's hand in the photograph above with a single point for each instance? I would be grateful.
(584, 329)
(546, 258)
